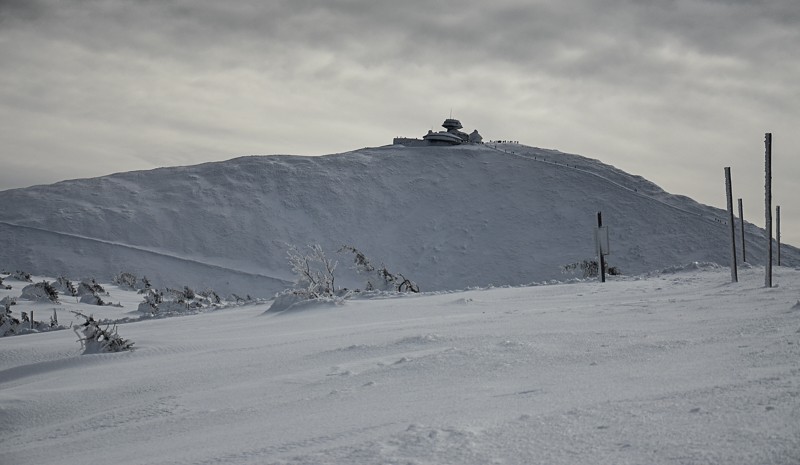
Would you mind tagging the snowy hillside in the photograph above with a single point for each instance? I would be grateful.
(680, 367)
(447, 217)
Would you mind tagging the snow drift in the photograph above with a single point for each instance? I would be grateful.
(675, 368)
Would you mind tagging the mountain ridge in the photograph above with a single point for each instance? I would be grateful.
(447, 217)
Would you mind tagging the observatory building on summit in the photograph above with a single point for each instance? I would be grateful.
(452, 136)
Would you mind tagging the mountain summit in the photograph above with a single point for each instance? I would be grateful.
(449, 217)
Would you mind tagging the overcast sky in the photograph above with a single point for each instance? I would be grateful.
(671, 90)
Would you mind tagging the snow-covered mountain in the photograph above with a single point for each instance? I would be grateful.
(447, 217)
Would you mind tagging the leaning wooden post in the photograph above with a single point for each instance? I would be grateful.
(741, 223)
(729, 194)
(768, 206)
(778, 231)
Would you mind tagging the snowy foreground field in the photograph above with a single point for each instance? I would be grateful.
(675, 368)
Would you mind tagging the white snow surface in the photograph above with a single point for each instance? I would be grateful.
(446, 217)
(679, 367)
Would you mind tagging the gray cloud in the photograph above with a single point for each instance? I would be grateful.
(672, 90)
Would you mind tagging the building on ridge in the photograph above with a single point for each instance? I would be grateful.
(452, 136)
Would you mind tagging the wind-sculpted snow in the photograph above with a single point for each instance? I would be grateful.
(672, 368)
(445, 217)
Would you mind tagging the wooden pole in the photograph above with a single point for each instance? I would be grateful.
(778, 231)
(600, 249)
(768, 206)
(741, 223)
(729, 195)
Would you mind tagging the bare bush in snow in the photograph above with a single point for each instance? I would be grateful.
(314, 271)
(315, 279)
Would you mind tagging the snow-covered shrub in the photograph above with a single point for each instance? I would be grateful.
(2, 285)
(95, 339)
(7, 302)
(590, 268)
(314, 271)
(21, 276)
(131, 282)
(315, 279)
(239, 299)
(211, 296)
(89, 292)
(175, 301)
(379, 278)
(125, 280)
(91, 299)
(152, 298)
(64, 286)
(10, 325)
(188, 293)
(89, 286)
(170, 307)
(40, 292)
(295, 301)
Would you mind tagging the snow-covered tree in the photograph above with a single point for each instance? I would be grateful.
(95, 339)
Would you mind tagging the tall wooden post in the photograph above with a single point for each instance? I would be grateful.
(600, 249)
(729, 195)
(768, 206)
(778, 231)
(741, 223)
